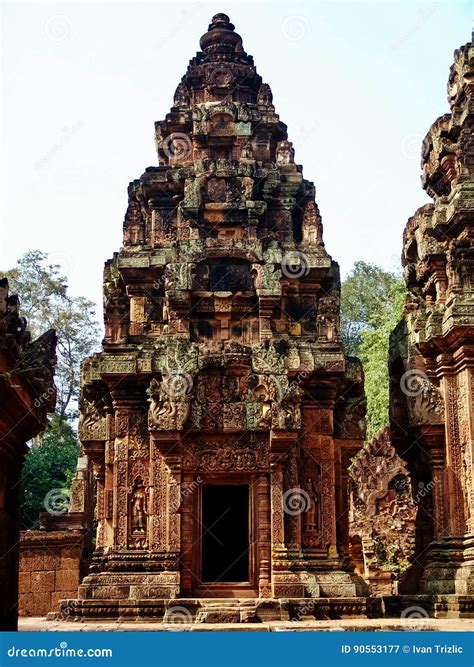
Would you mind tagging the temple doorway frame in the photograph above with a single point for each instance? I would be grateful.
(226, 589)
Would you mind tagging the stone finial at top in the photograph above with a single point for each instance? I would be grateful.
(221, 36)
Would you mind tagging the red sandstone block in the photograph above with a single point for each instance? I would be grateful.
(68, 563)
(24, 582)
(52, 560)
(31, 561)
(71, 552)
(25, 604)
(67, 580)
(41, 604)
(42, 582)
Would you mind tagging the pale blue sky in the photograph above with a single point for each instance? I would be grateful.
(358, 85)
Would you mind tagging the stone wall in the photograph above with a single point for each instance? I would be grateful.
(49, 569)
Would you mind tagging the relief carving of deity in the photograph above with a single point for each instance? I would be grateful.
(138, 515)
(311, 516)
(285, 153)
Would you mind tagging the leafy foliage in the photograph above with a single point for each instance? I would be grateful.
(51, 460)
(46, 304)
(371, 305)
(50, 464)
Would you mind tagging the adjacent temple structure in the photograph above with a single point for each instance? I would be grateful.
(27, 394)
(221, 415)
(432, 356)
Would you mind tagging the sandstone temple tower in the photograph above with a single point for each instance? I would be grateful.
(221, 415)
(432, 355)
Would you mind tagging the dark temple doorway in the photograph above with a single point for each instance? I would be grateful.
(225, 533)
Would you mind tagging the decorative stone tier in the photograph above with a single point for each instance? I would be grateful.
(214, 610)
(435, 606)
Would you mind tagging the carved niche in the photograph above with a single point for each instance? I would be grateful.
(138, 515)
(311, 492)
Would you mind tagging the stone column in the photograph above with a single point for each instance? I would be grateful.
(173, 503)
(276, 503)
(437, 479)
(328, 499)
(157, 501)
(264, 536)
(293, 519)
(456, 519)
(189, 489)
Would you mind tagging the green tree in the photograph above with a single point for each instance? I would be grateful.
(48, 472)
(46, 304)
(371, 305)
(51, 460)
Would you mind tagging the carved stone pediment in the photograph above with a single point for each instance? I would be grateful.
(426, 404)
(92, 424)
(226, 457)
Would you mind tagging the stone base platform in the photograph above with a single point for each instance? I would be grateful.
(37, 624)
(217, 610)
(435, 606)
(195, 611)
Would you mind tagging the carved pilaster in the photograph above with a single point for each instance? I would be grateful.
(328, 500)
(454, 459)
(438, 480)
(158, 503)
(173, 504)
(264, 537)
(190, 484)
(293, 519)
(276, 485)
